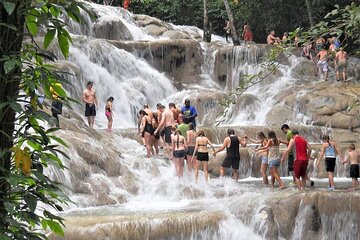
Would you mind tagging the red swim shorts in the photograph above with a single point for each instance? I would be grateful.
(300, 167)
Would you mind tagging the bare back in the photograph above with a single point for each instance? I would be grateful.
(168, 118)
(354, 157)
(201, 143)
(191, 138)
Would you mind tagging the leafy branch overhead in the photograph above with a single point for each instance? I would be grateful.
(27, 147)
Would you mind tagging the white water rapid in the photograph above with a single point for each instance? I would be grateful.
(118, 193)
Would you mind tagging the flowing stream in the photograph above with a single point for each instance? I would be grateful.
(120, 194)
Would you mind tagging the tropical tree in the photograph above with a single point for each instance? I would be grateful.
(26, 147)
(234, 35)
(207, 27)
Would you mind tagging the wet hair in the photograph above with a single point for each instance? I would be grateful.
(286, 34)
(272, 135)
(161, 106)
(294, 131)
(146, 106)
(285, 126)
(171, 105)
(230, 131)
(352, 146)
(158, 105)
(156, 117)
(143, 112)
(89, 83)
(191, 126)
(201, 133)
(261, 135)
(110, 99)
(187, 101)
(326, 137)
(177, 133)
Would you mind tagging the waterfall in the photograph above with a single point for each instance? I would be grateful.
(118, 193)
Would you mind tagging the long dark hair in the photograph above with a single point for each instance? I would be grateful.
(326, 138)
(177, 133)
(272, 136)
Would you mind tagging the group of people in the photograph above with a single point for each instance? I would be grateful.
(324, 52)
(246, 34)
(174, 129)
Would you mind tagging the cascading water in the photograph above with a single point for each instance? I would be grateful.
(120, 194)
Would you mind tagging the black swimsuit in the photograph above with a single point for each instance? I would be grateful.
(149, 128)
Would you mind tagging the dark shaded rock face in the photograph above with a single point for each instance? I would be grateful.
(112, 30)
(180, 59)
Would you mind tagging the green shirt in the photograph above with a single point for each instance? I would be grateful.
(183, 128)
(289, 135)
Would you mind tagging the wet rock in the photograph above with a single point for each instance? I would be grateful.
(171, 34)
(113, 29)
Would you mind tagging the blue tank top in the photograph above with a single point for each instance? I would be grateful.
(330, 152)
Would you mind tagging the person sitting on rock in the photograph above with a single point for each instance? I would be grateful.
(271, 39)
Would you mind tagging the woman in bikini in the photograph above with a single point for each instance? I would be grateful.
(262, 139)
(191, 140)
(179, 152)
(202, 154)
(109, 112)
(147, 131)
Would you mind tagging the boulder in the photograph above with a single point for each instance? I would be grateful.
(113, 29)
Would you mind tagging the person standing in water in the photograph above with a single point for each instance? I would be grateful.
(353, 158)
(302, 153)
(166, 122)
(191, 136)
(109, 112)
(147, 131)
(272, 147)
(179, 152)
(189, 113)
(262, 139)
(330, 149)
(91, 103)
(232, 159)
(202, 154)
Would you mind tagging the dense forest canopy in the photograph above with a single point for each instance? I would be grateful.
(262, 15)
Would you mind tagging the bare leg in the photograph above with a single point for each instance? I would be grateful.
(331, 179)
(344, 75)
(205, 169)
(263, 173)
(181, 167)
(197, 166)
(222, 171)
(189, 162)
(298, 184)
(276, 176)
(303, 183)
(177, 166)
(235, 173)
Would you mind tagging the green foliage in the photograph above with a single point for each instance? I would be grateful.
(26, 193)
(262, 15)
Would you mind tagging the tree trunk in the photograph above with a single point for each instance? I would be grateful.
(207, 28)
(234, 35)
(309, 11)
(10, 45)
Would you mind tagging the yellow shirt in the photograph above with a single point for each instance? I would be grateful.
(53, 92)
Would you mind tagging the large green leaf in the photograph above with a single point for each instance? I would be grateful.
(55, 227)
(64, 44)
(32, 27)
(31, 202)
(49, 37)
(9, 7)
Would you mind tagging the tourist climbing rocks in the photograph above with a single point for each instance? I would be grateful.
(227, 29)
(202, 154)
(323, 63)
(353, 158)
(232, 159)
(330, 149)
(189, 113)
(191, 136)
(147, 132)
(56, 104)
(302, 153)
(179, 152)
(340, 64)
(91, 103)
(167, 122)
(263, 155)
(109, 112)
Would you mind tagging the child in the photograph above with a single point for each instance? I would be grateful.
(354, 167)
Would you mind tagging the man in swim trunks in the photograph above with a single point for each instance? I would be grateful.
(302, 153)
(271, 39)
(232, 159)
(340, 64)
(91, 103)
(323, 63)
(167, 122)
